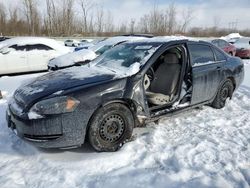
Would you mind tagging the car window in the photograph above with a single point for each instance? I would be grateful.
(200, 54)
(215, 42)
(103, 49)
(38, 47)
(18, 48)
(222, 44)
(219, 56)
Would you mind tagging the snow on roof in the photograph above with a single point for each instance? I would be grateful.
(34, 40)
(231, 36)
(167, 39)
(114, 41)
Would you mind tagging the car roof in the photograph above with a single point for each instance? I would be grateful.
(168, 39)
(33, 40)
(115, 40)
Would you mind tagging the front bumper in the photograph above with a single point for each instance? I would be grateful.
(50, 132)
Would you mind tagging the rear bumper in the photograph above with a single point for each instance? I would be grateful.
(51, 132)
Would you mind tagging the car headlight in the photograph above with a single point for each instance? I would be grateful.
(57, 105)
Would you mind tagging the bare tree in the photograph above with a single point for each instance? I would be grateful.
(99, 19)
(187, 16)
(31, 14)
(132, 26)
(217, 21)
(143, 25)
(171, 15)
(2, 18)
(86, 6)
(109, 25)
(123, 27)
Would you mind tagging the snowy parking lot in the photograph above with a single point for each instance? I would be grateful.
(199, 148)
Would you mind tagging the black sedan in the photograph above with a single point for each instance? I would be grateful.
(126, 87)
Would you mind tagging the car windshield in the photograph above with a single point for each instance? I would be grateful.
(242, 43)
(126, 57)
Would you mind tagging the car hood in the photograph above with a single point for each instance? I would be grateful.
(72, 58)
(58, 81)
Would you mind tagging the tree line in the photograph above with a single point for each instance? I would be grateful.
(62, 18)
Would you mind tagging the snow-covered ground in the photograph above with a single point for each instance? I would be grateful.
(199, 148)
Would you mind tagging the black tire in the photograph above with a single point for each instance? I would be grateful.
(223, 94)
(110, 127)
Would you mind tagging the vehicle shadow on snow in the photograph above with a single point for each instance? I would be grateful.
(85, 148)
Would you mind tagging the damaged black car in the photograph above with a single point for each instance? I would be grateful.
(124, 88)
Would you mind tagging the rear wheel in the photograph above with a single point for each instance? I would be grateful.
(110, 127)
(223, 94)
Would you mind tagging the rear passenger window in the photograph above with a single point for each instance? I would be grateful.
(38, 47)
(18, 48)
(200, 54)
(215, 42)
(219, 55)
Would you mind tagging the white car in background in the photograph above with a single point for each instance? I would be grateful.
(84, 56)
(71, 43)
(28, 54)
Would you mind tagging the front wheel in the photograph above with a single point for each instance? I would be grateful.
(110, 127)
(223, 94)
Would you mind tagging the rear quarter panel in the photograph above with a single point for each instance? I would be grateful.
(234, 69)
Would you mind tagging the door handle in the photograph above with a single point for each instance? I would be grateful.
(218, 67)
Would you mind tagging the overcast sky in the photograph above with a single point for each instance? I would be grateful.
(205, 12)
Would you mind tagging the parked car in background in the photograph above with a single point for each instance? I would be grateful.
(224, 45)
(90, 44)
(232, 37)
(129, 85)
(85, 41)
(86, 55)
(3, 38)
(243, 47)
(28, 54)
(71, 43)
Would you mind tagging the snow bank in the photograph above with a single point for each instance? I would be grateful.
(8, 84)
(199, 148)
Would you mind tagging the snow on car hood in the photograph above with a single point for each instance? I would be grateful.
(65, 79)
(72, 58)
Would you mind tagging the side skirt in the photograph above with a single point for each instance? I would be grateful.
(171, 112)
